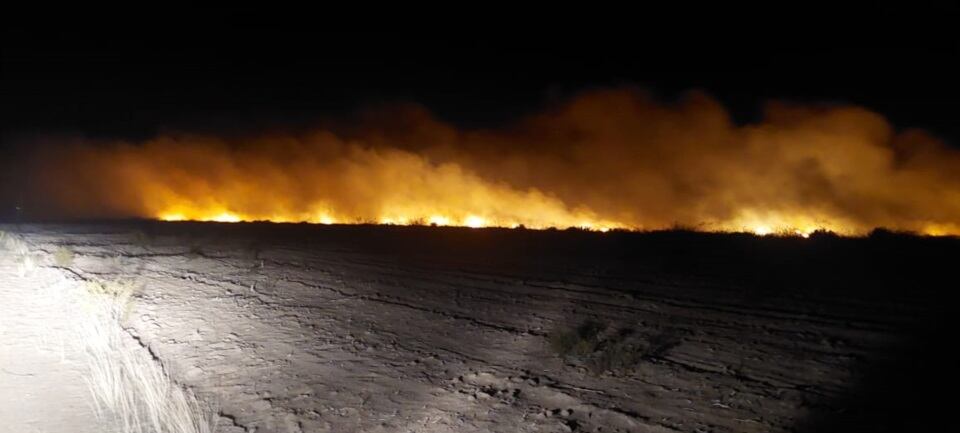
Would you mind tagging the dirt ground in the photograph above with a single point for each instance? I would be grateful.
(295, 328)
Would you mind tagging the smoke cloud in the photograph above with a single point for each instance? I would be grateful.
(613, 158)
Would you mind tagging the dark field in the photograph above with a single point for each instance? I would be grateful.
(377, 328)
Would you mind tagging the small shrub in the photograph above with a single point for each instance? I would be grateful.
(562, 342)
(659, 344)
(886, 234)
(365, 221)
(580, 341)
(255, 249)
(117, 289)
(601, 349)
(617, 356)
(13, 244)
(63, 257)
(118, 294)
(823, 234)
(26, 263)
(683, 227)
(142, 238)
(195, 251)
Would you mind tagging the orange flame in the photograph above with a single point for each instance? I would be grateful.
(611, 159)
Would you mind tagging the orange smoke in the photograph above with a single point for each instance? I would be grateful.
(606, 159)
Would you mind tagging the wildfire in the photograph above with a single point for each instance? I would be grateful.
(606, 160)
(472, 221)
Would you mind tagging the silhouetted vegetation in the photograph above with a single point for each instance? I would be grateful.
(606, 349)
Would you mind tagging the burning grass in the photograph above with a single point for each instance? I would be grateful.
(605, 160)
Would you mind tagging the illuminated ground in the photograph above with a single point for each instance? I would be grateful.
(295, 328)
(41, 378)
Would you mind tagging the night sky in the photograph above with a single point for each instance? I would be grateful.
(110, 76)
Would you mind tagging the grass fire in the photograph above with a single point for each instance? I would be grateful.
(234, 221)
(606, 159)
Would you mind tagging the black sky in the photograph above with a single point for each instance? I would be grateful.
(136, 74)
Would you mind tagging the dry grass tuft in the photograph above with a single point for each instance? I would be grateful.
(63, 257)
(605, 349)
(129, 386)
(15, 246)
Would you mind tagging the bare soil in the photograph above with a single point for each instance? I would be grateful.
(297, 328)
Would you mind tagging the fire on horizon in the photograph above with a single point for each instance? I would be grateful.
(608, 159)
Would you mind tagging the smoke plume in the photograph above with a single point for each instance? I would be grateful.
(605, 159)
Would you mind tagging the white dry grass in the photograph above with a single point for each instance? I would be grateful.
(18, 248)
(130, 387)
(131, 391)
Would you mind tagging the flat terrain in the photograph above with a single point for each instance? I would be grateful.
(296, 328)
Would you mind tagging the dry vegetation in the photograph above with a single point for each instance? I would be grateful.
(130, 388)
(606, 349)
(63, 257)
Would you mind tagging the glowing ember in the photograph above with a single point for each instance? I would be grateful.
(439, 220)
(474, 221)
(226, 217)
(172, 217)
(762, 230)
